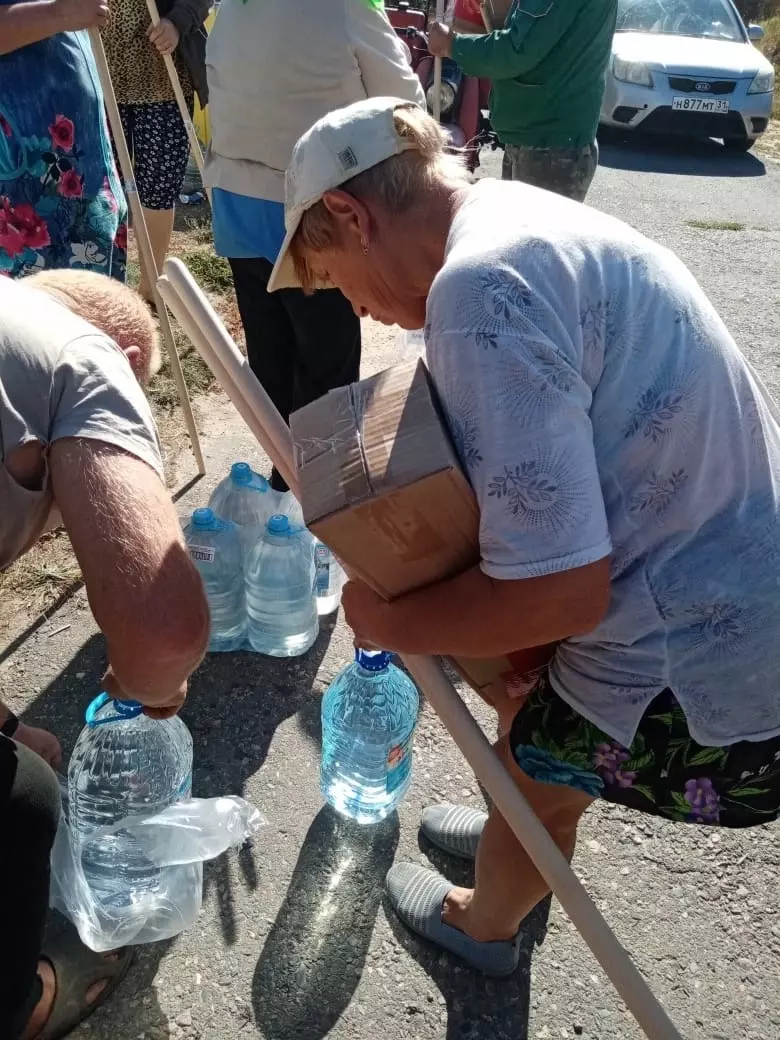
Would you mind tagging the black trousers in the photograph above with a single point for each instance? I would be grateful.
(298, 346)
(29, 813)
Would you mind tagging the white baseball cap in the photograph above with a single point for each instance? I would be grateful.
(337, 148)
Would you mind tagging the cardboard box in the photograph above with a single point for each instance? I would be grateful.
(382, 486)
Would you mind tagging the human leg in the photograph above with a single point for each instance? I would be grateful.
(327, 339)
(44, 986)
(326, 331)
(160, 152)
(29, 813)
(565, 171)
(270, 338)
(481, 925)
(507, 885)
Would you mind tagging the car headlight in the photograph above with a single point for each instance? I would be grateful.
(632, 72)
(446, 97)
(763, 82)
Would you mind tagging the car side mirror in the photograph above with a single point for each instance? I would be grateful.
(756, 32)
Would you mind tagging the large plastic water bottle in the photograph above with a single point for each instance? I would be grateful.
(126, 764)
(281, 610)
(246, 499)
(329, 578)
(215, 548)
(369, 713)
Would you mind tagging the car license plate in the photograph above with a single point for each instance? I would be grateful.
(699, 104)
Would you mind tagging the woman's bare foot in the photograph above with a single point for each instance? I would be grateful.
(456, 912)
(43, 1008)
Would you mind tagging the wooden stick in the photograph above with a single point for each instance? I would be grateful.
(437, 69)
(186, 301)
(142, 237)
(181, 101)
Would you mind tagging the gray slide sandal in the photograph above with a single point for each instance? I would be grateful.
(455, 829)
(417, 895)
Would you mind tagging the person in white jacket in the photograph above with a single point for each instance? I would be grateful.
(274, 68)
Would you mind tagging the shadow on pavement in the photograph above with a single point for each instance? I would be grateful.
(232, 718)
(681, 156)
(313, 958)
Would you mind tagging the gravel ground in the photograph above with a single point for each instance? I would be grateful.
(294, 942)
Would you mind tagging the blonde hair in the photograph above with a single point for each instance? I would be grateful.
(398, 184)
(110, 306)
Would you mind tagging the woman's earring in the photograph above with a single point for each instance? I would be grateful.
(365, 248)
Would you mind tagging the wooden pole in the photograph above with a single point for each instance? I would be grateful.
(181, 101)
(437, 69)
(223, 357)
(142, 237)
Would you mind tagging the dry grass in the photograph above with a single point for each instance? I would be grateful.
(32, 585)
(770, 45)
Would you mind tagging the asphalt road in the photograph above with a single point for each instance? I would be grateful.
(294, 942)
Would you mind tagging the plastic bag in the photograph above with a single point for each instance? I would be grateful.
(178, 841)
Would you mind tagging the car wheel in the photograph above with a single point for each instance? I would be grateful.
(742, 143)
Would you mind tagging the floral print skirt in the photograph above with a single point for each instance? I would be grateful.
(61, 204)
(664, 772)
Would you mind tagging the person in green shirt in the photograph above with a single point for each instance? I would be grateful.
(547, 68)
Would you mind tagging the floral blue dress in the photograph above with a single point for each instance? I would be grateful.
(61, 204)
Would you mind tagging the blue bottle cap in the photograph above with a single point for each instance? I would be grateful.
(204, 519)
(241, 473)
(373, 660)
(279, 524)
(122, 710)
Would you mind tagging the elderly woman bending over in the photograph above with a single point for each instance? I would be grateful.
(626, 461)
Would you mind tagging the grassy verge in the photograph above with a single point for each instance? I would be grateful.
(770, 45)
(716, 225)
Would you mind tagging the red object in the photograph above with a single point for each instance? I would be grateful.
(71, 186)
(120, 239)
(469, 11)
(21, 226)
(62, 133)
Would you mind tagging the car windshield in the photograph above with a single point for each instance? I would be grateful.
(713, 19)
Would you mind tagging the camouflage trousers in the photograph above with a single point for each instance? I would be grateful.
(566, 171)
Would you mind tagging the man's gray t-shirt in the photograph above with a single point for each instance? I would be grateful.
(601, 408)
(59, 377)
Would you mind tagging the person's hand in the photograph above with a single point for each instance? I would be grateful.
(364, 612)
(81, 14)
(440, 39)
(168, 707)
(41, 742)
(164, 36)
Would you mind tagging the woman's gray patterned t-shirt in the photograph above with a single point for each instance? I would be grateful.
(601, 407)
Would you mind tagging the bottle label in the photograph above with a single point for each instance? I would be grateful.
(202, 553)
(322, 558)
(399, 764)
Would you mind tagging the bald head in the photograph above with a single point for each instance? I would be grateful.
(110, 306)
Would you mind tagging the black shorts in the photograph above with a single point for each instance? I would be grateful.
(664, 772)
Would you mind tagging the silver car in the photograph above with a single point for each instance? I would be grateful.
(688, 67)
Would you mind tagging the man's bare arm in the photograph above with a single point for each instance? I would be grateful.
(28, 22)
(143, 589)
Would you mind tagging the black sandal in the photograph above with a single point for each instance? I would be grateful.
(76, 969)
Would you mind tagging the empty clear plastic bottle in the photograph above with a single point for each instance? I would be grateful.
(369, 713)
(329, 578)
(281, 610)
(215, 548)
(126, 764)
(247, 500)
